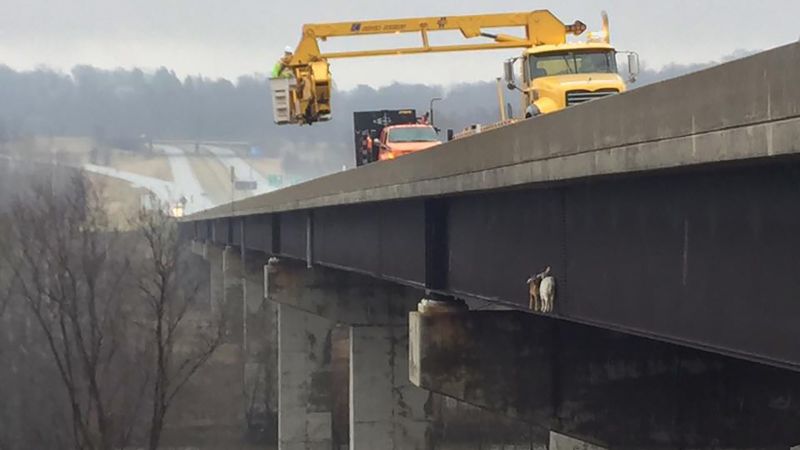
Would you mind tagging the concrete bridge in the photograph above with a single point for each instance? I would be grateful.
(670, 216)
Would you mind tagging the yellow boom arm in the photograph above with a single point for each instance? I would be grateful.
(311, 94)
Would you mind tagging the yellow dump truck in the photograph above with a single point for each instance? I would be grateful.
(556, 73)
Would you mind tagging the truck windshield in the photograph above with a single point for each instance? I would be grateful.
(565, 63)
(413, 134)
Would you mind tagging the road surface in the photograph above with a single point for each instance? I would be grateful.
(185, 182)
(244, 171)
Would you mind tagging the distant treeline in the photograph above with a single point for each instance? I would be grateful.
(120, 105)
(91, 101)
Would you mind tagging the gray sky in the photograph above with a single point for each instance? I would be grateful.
(226, 39)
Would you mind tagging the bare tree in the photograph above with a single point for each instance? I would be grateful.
(33, 410)
(69, 269)
(109, 317)
(178, 351)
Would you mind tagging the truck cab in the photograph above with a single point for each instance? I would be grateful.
(563, 75)
(399, 140)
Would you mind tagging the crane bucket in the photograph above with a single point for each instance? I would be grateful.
(282, 89)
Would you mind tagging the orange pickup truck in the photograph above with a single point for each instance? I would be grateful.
(389, 133)
(399, 140)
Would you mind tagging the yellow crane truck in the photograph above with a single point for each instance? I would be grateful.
(555, 73)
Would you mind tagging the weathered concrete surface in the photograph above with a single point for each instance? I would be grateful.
(236, 288)
(304, 380)
(233, 295)
(339, 296)
(260, 348)
(741, 110)
(605, 388)
(340, 385)
(198, 248)
(213, 254)
(386, 410)
(498, 360)
(461, 426)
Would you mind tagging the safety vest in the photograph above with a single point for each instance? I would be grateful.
(279, 71)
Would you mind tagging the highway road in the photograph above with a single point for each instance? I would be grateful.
(244, 171)
(185, 181)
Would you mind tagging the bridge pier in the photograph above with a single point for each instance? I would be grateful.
(260, 349)
(385, 410)
(219, 417)
(213, 254)
(233, 295)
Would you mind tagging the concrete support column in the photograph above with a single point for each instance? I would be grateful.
(260, 349)
(304, 381)
(386, 410)
(220, 415)
(213, 254)
(233, 294)
(256, 321)
(198, 248)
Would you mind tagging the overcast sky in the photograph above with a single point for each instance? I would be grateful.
(225, 39)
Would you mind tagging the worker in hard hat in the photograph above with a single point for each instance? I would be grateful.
(281, 68)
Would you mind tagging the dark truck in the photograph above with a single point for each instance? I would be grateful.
(368, 126)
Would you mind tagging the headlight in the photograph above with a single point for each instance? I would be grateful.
(532, 111)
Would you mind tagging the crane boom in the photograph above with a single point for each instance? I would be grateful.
(541, 27)
(310, 95)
